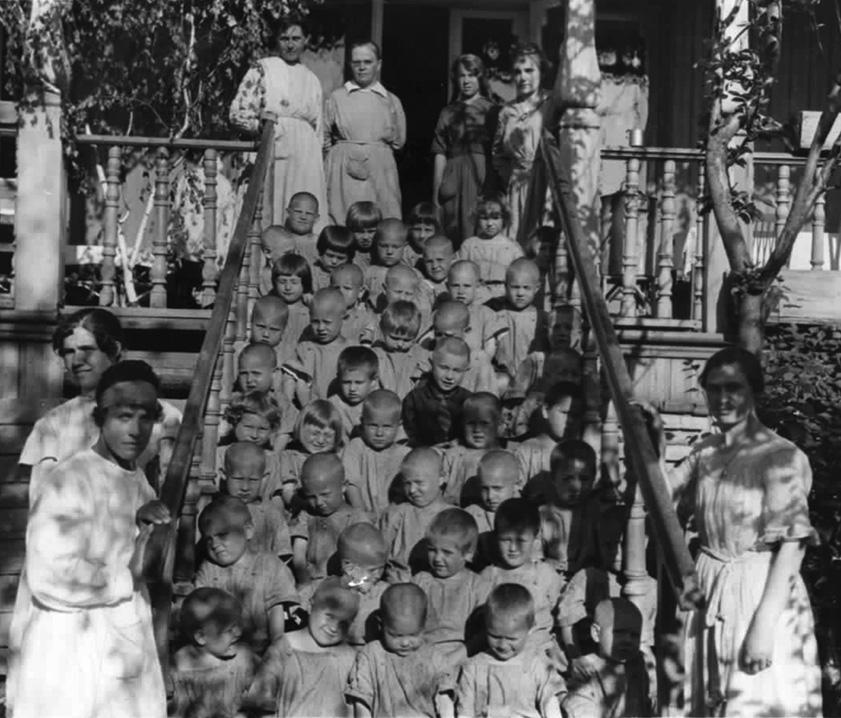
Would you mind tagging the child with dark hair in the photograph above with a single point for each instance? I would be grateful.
(359, 325)
(424, 221)
(212, 672)
(335, 248)
(356, 378)
(511, 676)
(306, 673)
(454, 591)
(259, 580)
(362, 220)
(398, 674)
(400, 357)
(292, 281)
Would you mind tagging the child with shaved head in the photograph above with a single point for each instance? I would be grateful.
(436, 258)
(486, 326)
(315, 531)
(269, 317)
(390, 242)
(259, 580)
(373, 459)
(528, 325)
(306, 673)
(511, 676)
(401, 357)
(403, 283)
(317, 355)
(454, 591)
(398, 674)
(432, 411)
(362, 554)
(404, 525)
(359, 325)
(497, 479)
(356, 377)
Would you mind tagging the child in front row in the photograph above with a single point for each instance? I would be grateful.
(292, 281)
(362, 554)
(404, 525)
(359, 325)
(373, 459)
(454, 591)
(362, 220)
(497, 478)
(399, 355)
(259, 580)
(397, 675)
(356, 377)
(306, 673)
(510, 677)
(213, 670)
(335, 248)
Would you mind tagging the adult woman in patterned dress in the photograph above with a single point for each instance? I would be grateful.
(461, 147)
(288, 90)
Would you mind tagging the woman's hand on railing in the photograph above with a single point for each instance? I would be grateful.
(154, 513)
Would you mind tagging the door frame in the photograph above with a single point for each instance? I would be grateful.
(519, 18)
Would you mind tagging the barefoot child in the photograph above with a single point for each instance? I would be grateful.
(335, 248)
(432, 411)
(212, 672)
(362, 220)
(398, 674)
(454, 591)
(292, 281)
(259, 580)
(399, 356)
(373, 459)
(404, 525)
(359, 325)
(356, 377)
(510, 677)
(491, 249)
(497, 478)
(306, 673)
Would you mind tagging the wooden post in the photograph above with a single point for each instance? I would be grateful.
(110, 224)
(699, 273)
(818, 237)
(255, 260)
(782, 199)
(665, 260)
(159, 243)
(630, 257)
(210, 271)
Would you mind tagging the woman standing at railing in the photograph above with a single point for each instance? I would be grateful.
(289, 91)
(751, 650)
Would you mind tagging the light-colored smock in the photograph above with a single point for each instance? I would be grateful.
(363, 128)
(82, 627)
(293, 93)
(744, 505)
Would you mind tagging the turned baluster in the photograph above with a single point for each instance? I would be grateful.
(241, 306)
(157, 297)
(210, 272)
(185, 551)
(783, 199)
(665, 259)
(256, 258)
(210, 431)
(818, 233)
(630, 261)
(110, 224)
(562, 272)
(698, 264)
(228, 368)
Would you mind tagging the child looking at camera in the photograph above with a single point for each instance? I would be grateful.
(292, 281)
(497, 478)
(301, 217)
(362, 220)
(359, 325)
(335, 248)
(399, 355)
(436, 258)
(356, 378)
(423, 222)
(389, 244)
(485, 325)
(452, 319)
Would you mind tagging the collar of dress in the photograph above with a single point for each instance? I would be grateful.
(377, 87)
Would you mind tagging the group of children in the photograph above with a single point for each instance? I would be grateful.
(408, 522)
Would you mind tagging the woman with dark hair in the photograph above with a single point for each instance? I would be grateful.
(519, 129)
(286, 88)
(751, 649)
(462, 146)
(88, 342)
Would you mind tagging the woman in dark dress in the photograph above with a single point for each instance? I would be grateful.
(461, 147)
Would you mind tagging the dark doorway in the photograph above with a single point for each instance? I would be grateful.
(415, 51)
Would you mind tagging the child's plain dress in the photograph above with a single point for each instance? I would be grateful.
(493, 256)
(213, 691)
(321, 362)
(404, 529)
(373, 473)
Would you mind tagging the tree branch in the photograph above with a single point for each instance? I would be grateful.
(811, 186)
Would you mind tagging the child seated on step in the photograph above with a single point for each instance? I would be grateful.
(492, 249)
(481, 415)
(213, 670)
(292, 282)
(436, 258)
(402, 283)
(362, 555)
(561, 416)
(424, 221)
(528, 325)
(325, 514)
(397, 675)
(356, 377)
(400, 357)
(317, 431)
(258, 579)
(454, 591)
(432, 411)
(306, 673)
(511, 676)
(359, 325)
(486, 326)
(497, 479)
(404, 525)
(244, 476)
(617, 682)
(301, 216)
(269, 317)
(275, 241)
(518, 560)
(309, 376)
(335, 248)
(362, 220)
(373, 459)
(389, 244)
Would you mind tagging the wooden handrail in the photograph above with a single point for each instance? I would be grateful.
(643, 460)
(160, 552)
(199, 143)
(688, 154)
